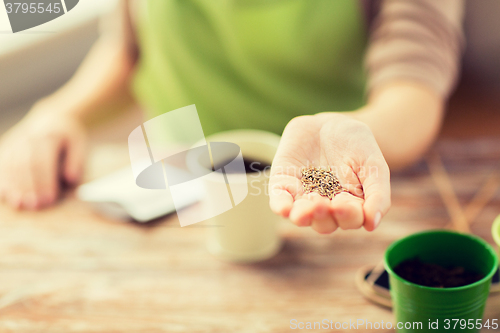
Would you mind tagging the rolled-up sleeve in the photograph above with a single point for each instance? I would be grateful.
(419, 40)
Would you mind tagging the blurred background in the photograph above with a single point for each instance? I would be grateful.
(36, 62)
(94, 274)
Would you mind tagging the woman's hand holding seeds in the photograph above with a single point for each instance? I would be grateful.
(348, 148)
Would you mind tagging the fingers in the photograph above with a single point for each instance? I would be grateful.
(281, 202)
(44, 168)
(29, 199)
(313, 210)
(324, 227)
(347, 211)
(20, 192)
(7, 195)
(74, 158)
(282, 190)
(375, 207)
(344, 211)
(302, 212)
(29, 172)
(323, 221)
(377, 189)
(33, 175)
(30, 157)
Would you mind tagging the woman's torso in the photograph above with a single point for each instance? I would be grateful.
(250, 63)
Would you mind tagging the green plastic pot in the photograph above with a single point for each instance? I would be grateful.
(495, 231)
(450, 308)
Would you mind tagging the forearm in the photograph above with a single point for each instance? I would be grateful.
(413, 64)
(405, 118)
(100, 86)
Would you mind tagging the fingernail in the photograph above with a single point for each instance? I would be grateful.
(376, 220)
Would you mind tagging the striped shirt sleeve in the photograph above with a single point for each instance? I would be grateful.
(419, 40)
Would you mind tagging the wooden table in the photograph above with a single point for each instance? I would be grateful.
(67, 269)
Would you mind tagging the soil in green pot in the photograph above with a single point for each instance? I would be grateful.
(432, 275)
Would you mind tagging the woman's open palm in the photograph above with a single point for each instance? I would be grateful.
(349, 148)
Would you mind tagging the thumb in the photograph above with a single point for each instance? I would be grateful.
(377, 192)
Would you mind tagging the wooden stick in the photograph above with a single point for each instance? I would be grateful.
(482, 197)
(447, 193)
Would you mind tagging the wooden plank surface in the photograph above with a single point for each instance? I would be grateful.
(67, 269)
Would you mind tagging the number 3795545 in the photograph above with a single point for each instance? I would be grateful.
(33, 8)
(470, 324)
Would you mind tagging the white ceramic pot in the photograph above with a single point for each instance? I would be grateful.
(248, 232)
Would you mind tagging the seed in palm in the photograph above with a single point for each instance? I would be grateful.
(324, 182)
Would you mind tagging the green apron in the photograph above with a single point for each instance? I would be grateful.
(250, 63)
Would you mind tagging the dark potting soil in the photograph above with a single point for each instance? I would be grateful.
(250, 166)
(432, 275)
